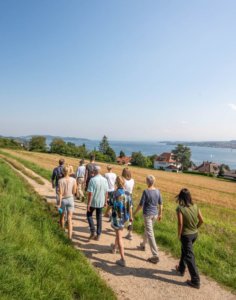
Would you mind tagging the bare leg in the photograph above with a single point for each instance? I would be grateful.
(107, 212)
(62, 220)
(120, 243)
(70, 227)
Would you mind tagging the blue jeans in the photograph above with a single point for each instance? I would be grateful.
(98, 218)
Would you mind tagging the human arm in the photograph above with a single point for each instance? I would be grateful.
(139, 207)
(53, 178)
(74, 190)
(60, 195)
(89, 200)
(200, 219)
(106, 199)
(160, 212)
(180, 224)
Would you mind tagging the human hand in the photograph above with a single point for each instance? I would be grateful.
(160, 217)
(88, 208)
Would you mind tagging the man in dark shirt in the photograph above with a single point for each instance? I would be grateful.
(56, 175)
(90, 168)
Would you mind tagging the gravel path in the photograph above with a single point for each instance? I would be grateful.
(140, 279)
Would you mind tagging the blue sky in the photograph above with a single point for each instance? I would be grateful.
(133, 70)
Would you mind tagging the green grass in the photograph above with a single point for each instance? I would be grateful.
(37, 260)
(32, 166)
(215, 249)
(19, 167)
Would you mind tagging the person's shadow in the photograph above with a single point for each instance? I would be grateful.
(111, 267)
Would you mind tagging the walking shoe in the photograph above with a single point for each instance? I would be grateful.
(142, 247)
(178, 271)
(121, 262)
(92, 236)
(193, 285)
(97, 237)
(129, 236)
(153, 259)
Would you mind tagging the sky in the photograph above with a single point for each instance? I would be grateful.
(132, 70)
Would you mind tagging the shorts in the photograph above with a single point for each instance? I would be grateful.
(68, 204)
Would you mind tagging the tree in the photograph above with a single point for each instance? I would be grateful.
(138, 159)
(104, 144)
(38, 143)
(122, 153)
(111, 154)
(183, 156)
(106, 150)
(58, 146)
(222, 169)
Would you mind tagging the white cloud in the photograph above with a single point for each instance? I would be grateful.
(183, 122)
(232, 106)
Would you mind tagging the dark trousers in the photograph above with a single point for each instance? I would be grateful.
(187, 257)
(98, 218)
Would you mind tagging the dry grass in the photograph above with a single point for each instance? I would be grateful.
(22, 169)
(203, 189)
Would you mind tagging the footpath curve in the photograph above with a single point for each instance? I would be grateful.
(140, 280)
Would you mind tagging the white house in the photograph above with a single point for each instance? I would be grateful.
(166, 161)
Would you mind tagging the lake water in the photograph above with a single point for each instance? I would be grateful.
(199, 154)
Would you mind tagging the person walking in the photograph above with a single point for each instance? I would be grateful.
(121, 213)
(189, 220)
(57, 174)
(111, 180)
(67, 189)
(151, 203)
(97, 199)
(89, 173)
(80, 175)
(128, 186)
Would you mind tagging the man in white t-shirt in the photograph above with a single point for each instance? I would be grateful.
(111, 180)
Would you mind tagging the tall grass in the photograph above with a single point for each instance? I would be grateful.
(30, 165)
(215, 249)
(20, 168)
(37, 261)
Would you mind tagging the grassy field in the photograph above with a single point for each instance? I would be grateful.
(204, 189)
(37, 261)
(216, 247)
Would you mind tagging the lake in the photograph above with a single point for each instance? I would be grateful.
(199, 154)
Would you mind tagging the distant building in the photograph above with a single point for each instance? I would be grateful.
(208, 167)
(166, 161)
(125, 160)
(230, 174)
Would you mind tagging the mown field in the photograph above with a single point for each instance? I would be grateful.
(216, 246)
(37, 261)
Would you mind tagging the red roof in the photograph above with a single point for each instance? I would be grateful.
(123, 160)
(166, 157)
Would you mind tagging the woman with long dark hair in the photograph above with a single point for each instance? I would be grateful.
(189, 220)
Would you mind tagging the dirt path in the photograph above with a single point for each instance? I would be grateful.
(140, 279)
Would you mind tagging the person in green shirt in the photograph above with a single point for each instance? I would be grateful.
(189, 220)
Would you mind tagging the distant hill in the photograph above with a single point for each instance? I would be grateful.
(213, 144)
(49, 138)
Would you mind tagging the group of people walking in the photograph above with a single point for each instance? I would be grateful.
(114, 193)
